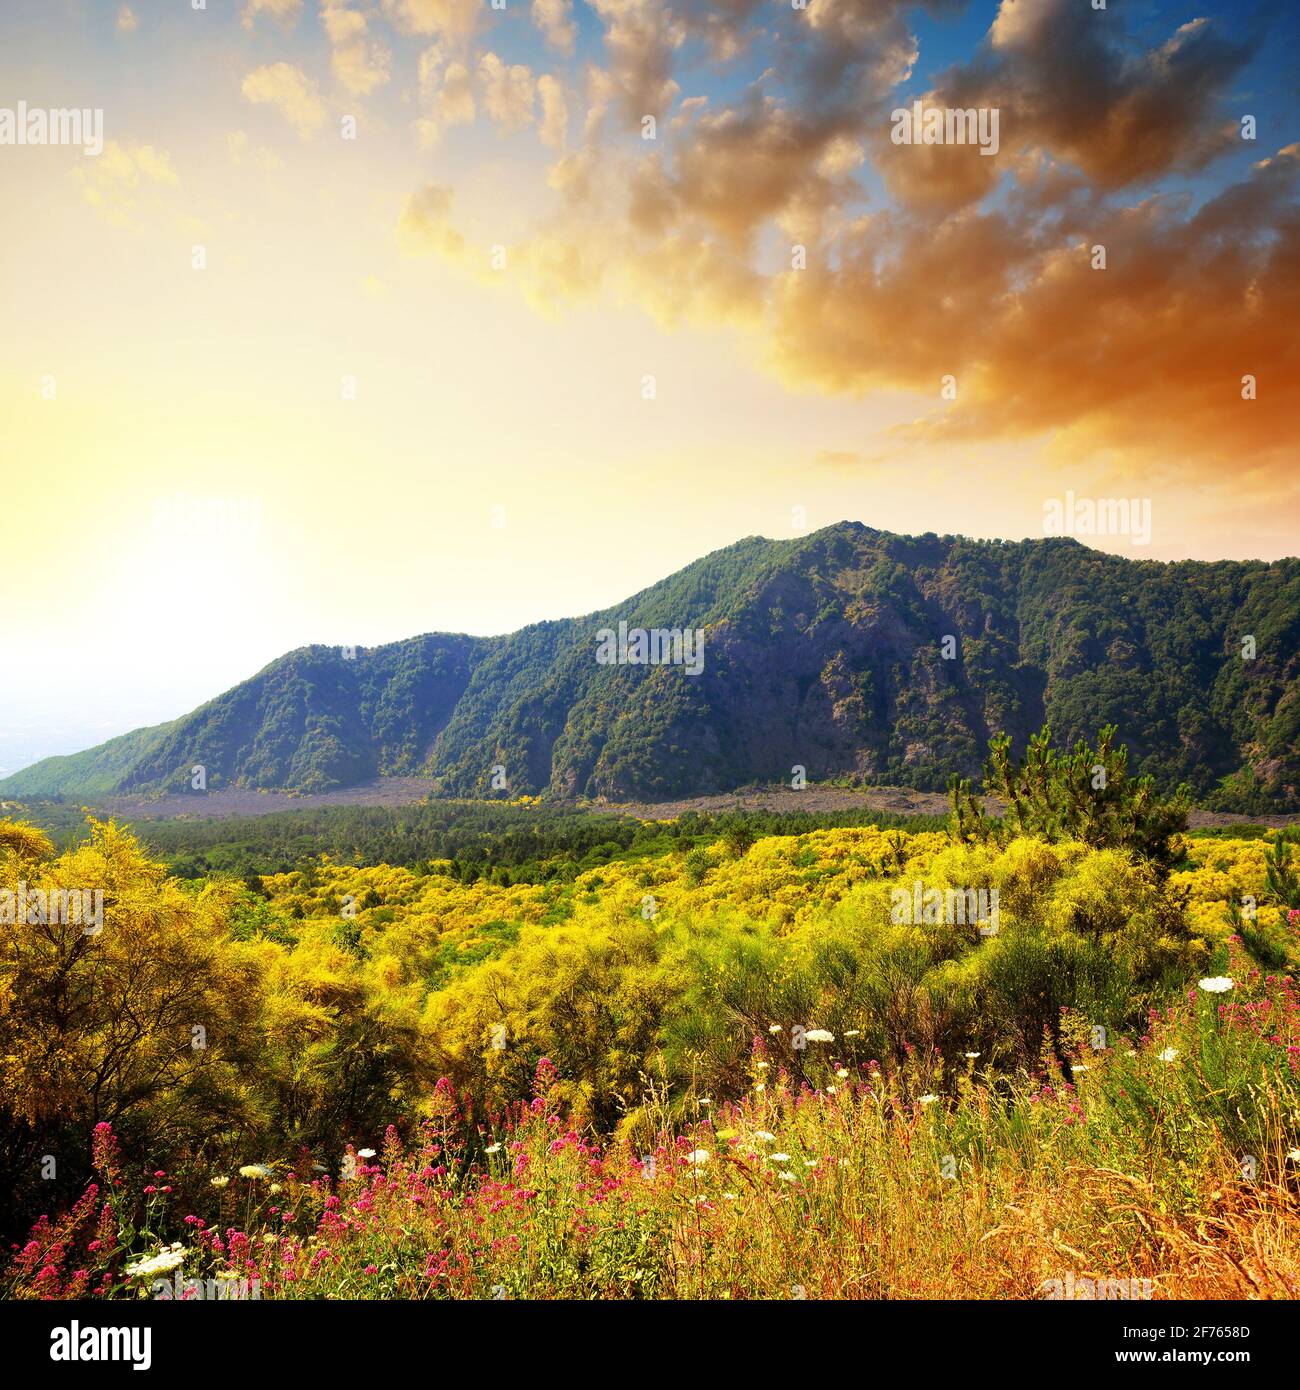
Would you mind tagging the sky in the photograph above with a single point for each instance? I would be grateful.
(372, 319)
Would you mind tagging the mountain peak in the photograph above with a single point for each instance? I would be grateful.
(850, 652)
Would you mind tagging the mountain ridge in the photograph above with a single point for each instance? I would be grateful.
(824, 651)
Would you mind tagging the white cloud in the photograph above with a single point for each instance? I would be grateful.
(450, 19)
(509, 92)
(358, 62)
(447, 95)
(554, 18)
(113, 182)
(242, 151)
(555, 112)
(285, 12)
(291, 92)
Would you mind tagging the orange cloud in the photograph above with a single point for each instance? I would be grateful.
(1147, 354)
(756, 213)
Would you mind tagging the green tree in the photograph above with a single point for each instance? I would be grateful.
(1283, 882)
(1084, 794)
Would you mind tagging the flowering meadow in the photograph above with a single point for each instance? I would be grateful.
(1168, 1160)
(724, 1074)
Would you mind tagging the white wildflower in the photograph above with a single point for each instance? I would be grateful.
(166, 1259)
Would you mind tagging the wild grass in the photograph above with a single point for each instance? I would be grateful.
(1170, 1157)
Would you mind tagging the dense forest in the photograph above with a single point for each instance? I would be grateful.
(467, 840)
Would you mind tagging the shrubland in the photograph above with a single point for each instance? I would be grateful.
(726, 1067)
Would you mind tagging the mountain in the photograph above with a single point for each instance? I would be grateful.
(826, 651)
